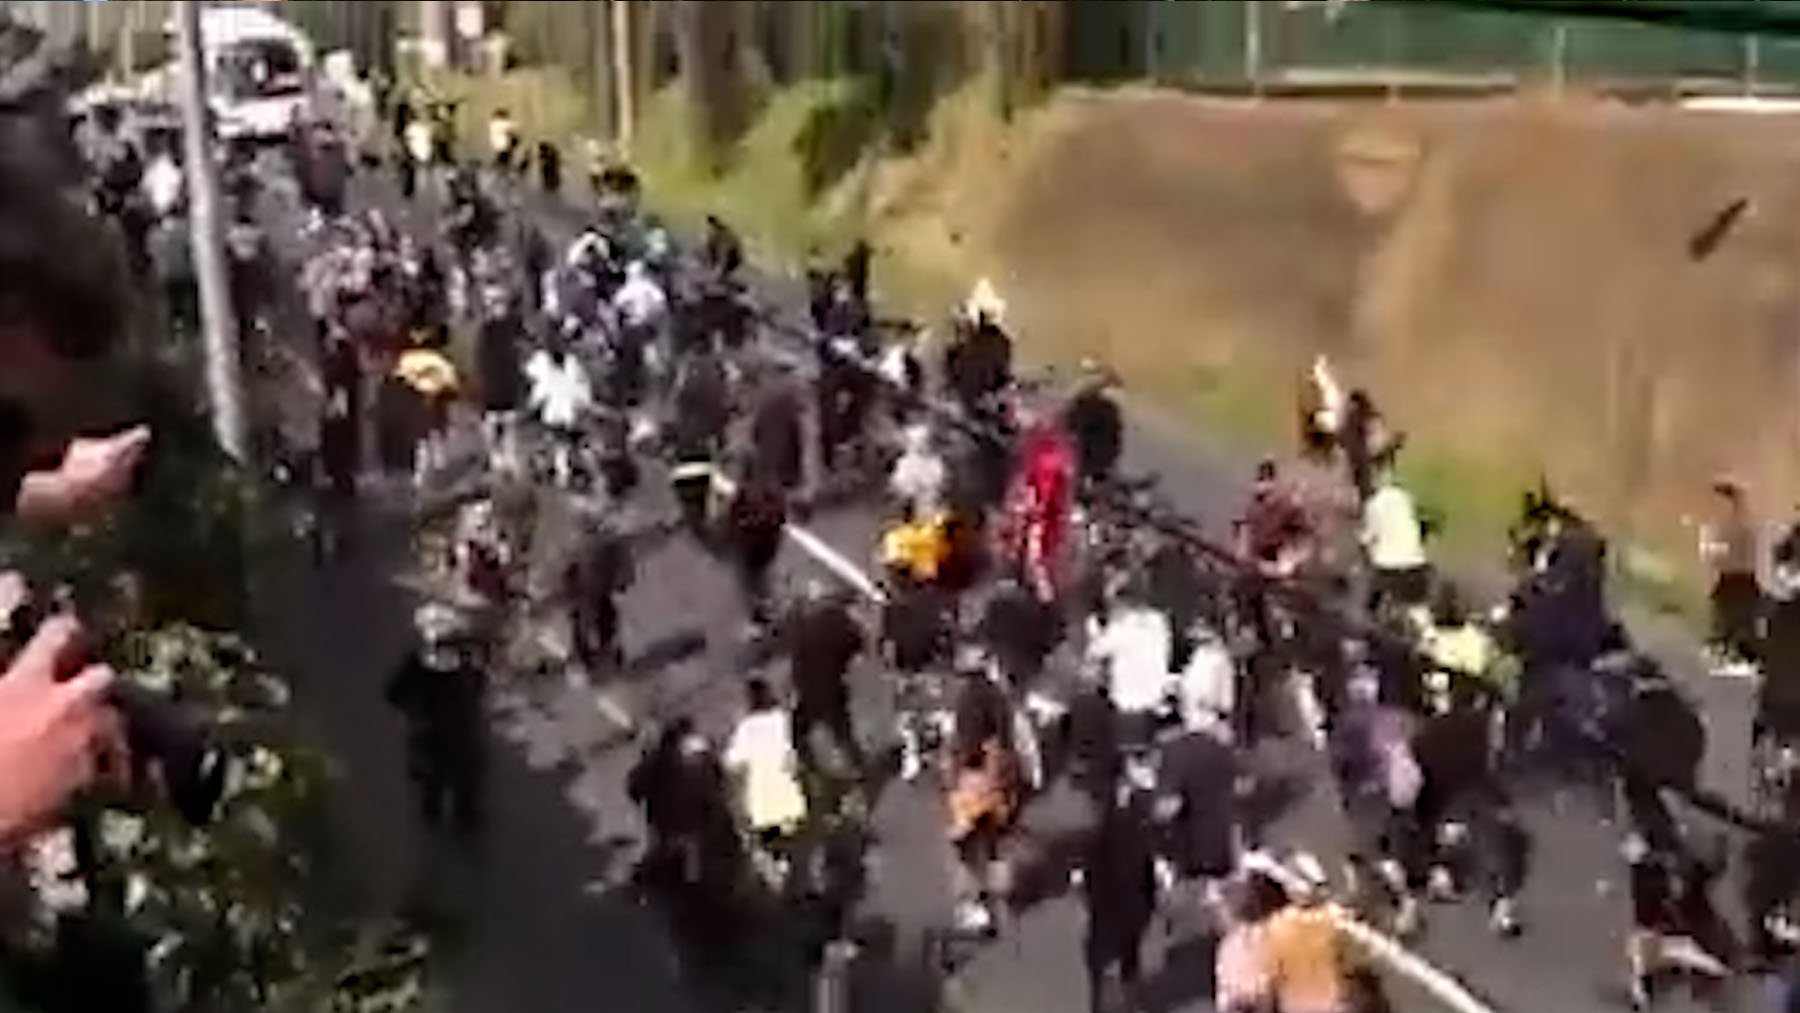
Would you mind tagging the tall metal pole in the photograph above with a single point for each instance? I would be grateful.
(1253, 47)
(624, 74)
(224, 367)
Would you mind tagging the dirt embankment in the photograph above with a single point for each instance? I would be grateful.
(1523, 286)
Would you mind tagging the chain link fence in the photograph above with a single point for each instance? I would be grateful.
(1245, 44)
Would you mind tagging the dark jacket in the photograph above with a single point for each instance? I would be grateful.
(778, 434)
(823, 641)
(1119, 883)
(1098, 428)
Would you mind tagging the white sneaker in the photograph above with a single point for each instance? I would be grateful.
(911, 766)
(1504, 918)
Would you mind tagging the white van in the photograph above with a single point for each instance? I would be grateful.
(259, 72)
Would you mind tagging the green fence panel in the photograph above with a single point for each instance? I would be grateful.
(1622, 50)
(1415, 37)
(1200, 43)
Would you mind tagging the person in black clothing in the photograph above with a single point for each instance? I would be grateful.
(599, 575)
(916, 635)
(1097, 427)
(696, 857)
(1020, 630)
(823, 641)
(1463, 809)
(754, 525)
(722, 252)
(550, 168)
(499, 351)
(340, 440)
(1119, 892)
(701, 401)
(1173, 586)
(979, 365)
(1199, 778)
(856, 270)
(778, 435)
(440, 692)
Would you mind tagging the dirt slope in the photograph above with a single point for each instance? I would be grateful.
(1516, 281)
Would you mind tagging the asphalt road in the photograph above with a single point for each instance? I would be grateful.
(547, 927)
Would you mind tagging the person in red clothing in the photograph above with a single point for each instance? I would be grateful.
(1038, 510)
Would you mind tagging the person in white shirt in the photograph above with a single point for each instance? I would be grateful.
(1133, 649)
(164, 185)
(761, 755)
(1207, 688)
(1394, 542)
(562, 398)
(641, 303)
(919, 476)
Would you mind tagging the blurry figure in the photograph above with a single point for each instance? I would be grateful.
(1119, 891)
(550, 168)
(1307, 956)
(919, 478)
(1728, 544)
(440, 691)
(1096, 425)
(778, 434)
(562, 399)
(1399, 571)
(1132, 650)
(762, 757)
(602, 572)
(503, 143)
(1039, 510)
(695, 859)
(823, 640)
(755, 523)
(983, 792)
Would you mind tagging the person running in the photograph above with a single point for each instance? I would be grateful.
(983, 790)
(643, 310)
(755, 523)
(550, 168)
(1118, 874)
(823, 641)
(916, 639)
(433, 382)
(1132, 650)
(1728, 545)
(762, 757)
(778, 435)
(1379, 781)
(503, 143)
(600, 574)
(340, 436)
(722, 252)
(164, 184)
(1097, 426)
(562, 400)
(1241, 967)
(919, 479)
(1307, 955)
(1394, 541)
(499, 353)
(440, 691)
(1039, 509)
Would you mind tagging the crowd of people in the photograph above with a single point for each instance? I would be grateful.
(1044, 623)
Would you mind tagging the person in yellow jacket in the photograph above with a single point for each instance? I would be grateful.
(918, 548)
(432, 378)
(1460, 648)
